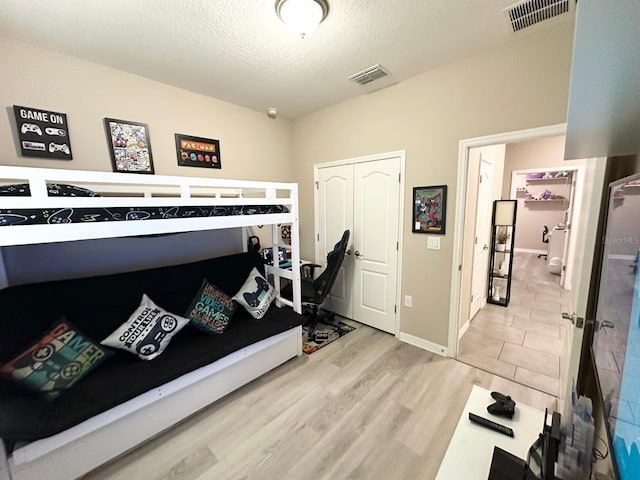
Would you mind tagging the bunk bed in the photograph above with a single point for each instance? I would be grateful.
(135, 205)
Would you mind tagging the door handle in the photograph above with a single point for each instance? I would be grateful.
(358, 254)
(348, 252)
(574, 319)
(486, 247)
(605, 324)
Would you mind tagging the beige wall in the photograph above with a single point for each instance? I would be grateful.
(519, 85)
(532, 217)
(252, 146)
(531, 154)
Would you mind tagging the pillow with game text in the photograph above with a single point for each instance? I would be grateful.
(147, 332)
(255, 295)
(211, 309)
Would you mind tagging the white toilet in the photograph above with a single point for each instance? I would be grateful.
(556, 249)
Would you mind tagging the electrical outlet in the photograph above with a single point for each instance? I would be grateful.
(407, 300)
(433, 243)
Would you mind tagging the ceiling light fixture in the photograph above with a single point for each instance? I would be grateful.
(302, 17)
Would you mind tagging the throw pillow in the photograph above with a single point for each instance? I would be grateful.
(147, 332)
(211, 309)
(255, 295)
(55, 361)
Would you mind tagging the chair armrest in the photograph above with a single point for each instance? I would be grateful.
(308, 270)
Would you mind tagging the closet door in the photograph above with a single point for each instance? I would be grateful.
(335, 215)
(375, 254)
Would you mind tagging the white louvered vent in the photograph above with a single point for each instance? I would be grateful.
(369, 75)
(529, 12)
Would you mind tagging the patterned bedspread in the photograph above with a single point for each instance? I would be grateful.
(34, 216)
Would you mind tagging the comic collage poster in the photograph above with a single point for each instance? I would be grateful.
(129, 146)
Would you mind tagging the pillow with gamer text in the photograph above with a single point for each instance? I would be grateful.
(147, 332)
(56, 361)
(211, 309)
(255, 295)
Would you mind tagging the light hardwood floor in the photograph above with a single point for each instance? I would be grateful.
(365, 407)
(522, 342)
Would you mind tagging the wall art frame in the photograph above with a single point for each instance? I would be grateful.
(429, 212)
(197, 151)
(129, 146)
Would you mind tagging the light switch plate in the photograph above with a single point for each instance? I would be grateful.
(433, 243)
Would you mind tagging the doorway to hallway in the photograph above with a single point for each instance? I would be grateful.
(524, 341)
(533, 302)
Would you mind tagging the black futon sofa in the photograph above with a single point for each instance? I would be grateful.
(97, 306)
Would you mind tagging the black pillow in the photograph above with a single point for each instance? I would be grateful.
(211, 309)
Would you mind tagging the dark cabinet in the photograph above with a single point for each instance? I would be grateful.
(503, 231)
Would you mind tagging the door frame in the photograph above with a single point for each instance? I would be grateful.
(400, 154)
(461, 201)
(575, 219)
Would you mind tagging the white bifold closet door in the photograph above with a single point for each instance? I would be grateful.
(335, 215)
(364, 198)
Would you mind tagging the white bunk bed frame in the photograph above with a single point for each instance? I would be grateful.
(82, 448)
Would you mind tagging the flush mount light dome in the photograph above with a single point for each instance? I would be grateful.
(302, 17)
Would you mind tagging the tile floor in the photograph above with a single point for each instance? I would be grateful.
(522, 342)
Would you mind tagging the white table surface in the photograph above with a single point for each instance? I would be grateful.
(470, 451)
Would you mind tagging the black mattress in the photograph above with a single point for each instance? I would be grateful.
(33, 216)
(124, 376)
(96, 306)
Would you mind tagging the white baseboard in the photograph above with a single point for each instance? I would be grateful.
(464, 328)
(530, 250)
(422, 343)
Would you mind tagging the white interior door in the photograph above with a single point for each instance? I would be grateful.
(481, 239)
(335, 215)
(585, 233)
(568, 220)
(375, 244)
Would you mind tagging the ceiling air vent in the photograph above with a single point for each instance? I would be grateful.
(529, 12)
(368, 75)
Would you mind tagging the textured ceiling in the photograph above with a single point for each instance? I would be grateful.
(239, 51)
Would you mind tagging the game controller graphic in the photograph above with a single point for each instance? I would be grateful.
(218, 211)
(11, 219)
(137, 215)
(253, 299)
(61, 216)
(55, 131)
(30, 128)
(153, 339)
(504, 406)
(59, 147)
(171, 213)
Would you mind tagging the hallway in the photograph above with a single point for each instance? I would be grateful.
(522, 342)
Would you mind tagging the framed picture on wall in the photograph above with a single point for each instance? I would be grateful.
(198, 152)
(43, 133)
(429, 209)
(129, 146)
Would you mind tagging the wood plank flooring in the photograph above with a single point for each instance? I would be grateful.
(365, 407)
(522, 342)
